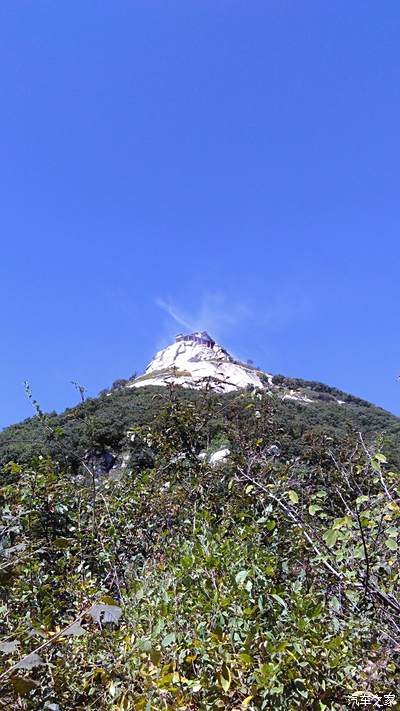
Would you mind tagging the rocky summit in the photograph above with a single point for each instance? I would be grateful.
(194, 361)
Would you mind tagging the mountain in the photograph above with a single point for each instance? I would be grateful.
(196, 359)
(193, 365)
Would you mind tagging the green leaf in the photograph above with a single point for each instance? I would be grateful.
(392, 532)
(391, 544)
(22, 685)
(145, 645)
(246, 658)
(330, 537)
(380, 457)
(358, 552)
(334, 603)
(109, 600)
(112, 689)
(249, 586)
(168, 639)
(340, 522)
(279, 599)
(158, 628)
(225, 678)
(241, 576)
(293, 496)
(61, 543)
(155, 657)
(313, 508)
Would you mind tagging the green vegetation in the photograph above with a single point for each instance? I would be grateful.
(313, 389)
(270, 582)
(102, 423)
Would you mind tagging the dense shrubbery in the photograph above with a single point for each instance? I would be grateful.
(97, 422)
(314, 387)
(102, 422)
(269, 583)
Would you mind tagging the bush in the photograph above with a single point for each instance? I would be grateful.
(270, 585)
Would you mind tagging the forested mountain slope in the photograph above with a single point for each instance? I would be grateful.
(102, 423)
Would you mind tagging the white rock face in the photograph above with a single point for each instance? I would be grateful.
(192, 364)
(219, 456)
(293, 395)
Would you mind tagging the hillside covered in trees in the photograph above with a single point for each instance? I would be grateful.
(101, 424)
(136, 574)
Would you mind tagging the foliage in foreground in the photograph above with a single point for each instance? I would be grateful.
(268, 583)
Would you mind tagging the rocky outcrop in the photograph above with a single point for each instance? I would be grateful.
(193, 365)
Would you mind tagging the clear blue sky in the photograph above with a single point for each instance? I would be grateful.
(235, 164)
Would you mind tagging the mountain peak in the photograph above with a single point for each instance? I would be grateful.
(196, 359)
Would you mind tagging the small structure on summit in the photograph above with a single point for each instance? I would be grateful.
(201, 337)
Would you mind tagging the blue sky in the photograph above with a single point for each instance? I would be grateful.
(228, 164)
